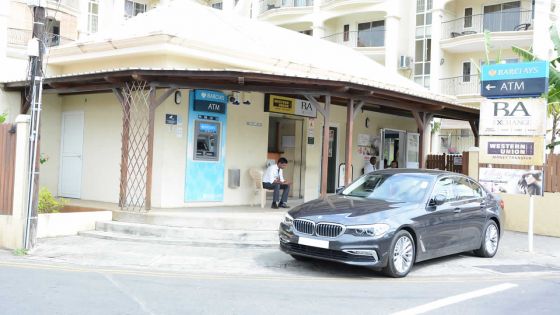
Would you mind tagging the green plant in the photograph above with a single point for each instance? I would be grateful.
(43, 158)
(3, 118)
(19, 252)
(48, 203)
(436, 126)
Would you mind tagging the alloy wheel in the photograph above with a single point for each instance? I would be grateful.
(491, 239)
(402, 254)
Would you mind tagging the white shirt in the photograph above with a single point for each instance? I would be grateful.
(272, 173)
(369, 168)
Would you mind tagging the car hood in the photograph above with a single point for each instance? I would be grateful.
(354, 210)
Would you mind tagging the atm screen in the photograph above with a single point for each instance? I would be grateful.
(208, 128)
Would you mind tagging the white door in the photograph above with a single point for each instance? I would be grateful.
(70, 184)
(412, 150)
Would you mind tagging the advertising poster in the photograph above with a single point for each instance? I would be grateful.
(512, 150)
(510, 181)
(513, 117)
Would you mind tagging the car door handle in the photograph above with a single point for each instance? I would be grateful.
(457, 210)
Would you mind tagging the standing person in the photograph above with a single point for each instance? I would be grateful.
(394, 164)
(371, 166)
(274, 179)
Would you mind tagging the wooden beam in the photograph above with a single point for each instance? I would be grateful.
(150, 153)
(125, 139)
(474, 128)
(325, 155)
(350, 113)
(313, 101)
(357, 108)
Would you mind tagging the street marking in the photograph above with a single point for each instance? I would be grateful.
(456, 299)
(130, 295)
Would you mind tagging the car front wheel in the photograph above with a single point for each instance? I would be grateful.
(401, 255)
(490, 241)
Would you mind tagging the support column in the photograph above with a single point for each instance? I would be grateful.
(422, 121)
(325, 150)
(540, 29)
(349, 133)
(474, 128)
(392, 23)
(437, 54)
(318, 25)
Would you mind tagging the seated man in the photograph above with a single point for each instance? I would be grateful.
(274, 179)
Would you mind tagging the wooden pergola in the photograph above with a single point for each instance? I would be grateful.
(355, 97)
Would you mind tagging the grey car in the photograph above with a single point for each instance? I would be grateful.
(391, 219)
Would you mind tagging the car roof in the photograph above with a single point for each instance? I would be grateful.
(432, 172)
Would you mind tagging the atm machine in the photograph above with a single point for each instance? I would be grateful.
(204, 176)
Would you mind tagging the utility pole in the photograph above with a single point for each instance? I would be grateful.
(36, 50)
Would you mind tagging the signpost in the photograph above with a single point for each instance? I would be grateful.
(527, 79)
(503, 115)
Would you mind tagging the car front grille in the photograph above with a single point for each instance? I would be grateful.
(304, 226)
(324, 253)
(329, 229)
(321, 229)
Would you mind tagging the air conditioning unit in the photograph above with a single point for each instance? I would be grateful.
(404, 62)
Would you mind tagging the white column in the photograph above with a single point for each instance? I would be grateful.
(540, 29)
(437, 54)
(392, 23)
(256, 9)
(228, 5)
(318, 26)
(4, 13)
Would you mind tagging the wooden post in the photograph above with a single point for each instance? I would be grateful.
(325, 157)
(125, 139)
(150, 157)
(349, 132)
(474, 128)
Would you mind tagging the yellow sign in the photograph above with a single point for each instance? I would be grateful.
(512, 150)
(290, 106)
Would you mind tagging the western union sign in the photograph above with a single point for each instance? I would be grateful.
(289, 106)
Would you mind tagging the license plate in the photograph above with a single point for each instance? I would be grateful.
(313, 242)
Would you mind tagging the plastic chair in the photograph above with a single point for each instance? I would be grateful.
(256, 175)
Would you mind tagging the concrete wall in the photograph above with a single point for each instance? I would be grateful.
(546, 211)
(60, 224)
(12, 226)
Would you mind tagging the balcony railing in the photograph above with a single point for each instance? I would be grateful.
(367, 38)
(20, 37)
(463, 85)
(266, 5)
(74, 4)
(493, 22)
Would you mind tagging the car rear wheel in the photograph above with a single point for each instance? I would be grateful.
(401, 255)
(490, 241)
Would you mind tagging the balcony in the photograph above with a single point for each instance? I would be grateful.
(20, 37)
(357, 39)
(465, 86)
(494, 22)
(267, 5)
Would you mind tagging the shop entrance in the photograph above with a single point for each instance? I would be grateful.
(285, 139)
(400, 146)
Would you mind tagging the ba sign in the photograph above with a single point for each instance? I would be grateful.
(523, 79)
(513, 117)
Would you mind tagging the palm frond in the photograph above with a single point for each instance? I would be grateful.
(526, 55)
(554, 37)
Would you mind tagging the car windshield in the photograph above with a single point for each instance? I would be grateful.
(390, 187)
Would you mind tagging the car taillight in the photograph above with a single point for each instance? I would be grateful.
(502, 204)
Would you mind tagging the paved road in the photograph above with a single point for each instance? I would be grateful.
(40, 288)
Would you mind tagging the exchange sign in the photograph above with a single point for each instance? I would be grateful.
(513, 117)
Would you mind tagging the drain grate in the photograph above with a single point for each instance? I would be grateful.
(519, 268)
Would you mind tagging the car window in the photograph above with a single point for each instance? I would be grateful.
(478, 190)
(391, 187)
(463, 189)
(444, 186)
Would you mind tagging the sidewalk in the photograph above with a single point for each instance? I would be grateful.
(512, 258)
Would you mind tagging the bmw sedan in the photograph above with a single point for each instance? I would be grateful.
(391, 219)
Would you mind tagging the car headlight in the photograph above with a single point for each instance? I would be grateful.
(288, 220)
(376, 230)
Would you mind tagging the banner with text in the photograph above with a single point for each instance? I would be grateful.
(513, 117)
(512, 150)
(510, 181)
(290, 106)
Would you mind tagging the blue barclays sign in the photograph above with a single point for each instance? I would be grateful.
(522, 79)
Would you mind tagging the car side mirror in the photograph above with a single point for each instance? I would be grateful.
(339, 190)
(437, 200)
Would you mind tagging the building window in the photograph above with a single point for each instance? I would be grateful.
(52, 32)
(307, 32)
(467, 71)
(132, 8)
(468, 18)
(502, 17)
(217, 5)
(93, 16)
(346, 33)
(423, 45)
(371, 34)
